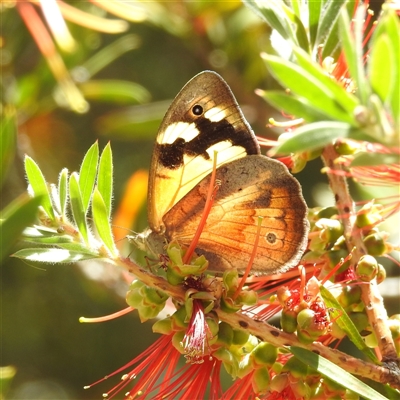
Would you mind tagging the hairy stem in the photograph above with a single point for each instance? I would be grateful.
(370, 294)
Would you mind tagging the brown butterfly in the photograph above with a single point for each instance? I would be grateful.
(203, 119)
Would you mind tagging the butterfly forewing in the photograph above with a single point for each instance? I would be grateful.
(204, 118)
(250, 187)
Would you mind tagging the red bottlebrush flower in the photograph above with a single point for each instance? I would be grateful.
(159, 364)
(195, 341)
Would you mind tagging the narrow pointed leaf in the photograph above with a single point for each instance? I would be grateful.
(50, 240)
(313, 136)
(393, 29)
(304, 84)
(102, 223)
(8, 137)
(63, 190)
(346, 100)
(352, 47)
(294, 105)
(79, 248)
(327, 19)
(105, 178)
(346, 324)
(14, 219)
(332, 371)
(314, 15)
(115, 91)
(53, 256)
(39, 185)
(87, 174)
(300, 30)
(78, 210)
(272, 12)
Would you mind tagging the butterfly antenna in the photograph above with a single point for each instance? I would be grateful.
(250, 263)
(212, 190)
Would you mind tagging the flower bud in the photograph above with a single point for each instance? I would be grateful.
(327, 212)
(350, 295)
(264, 354)
(261, 380)
(279, 383)
(330, 229)
(345, 147)
(296, 367)
(369, 215)
(240, 337)
(225, 334)
(381, 275)
(289, 321)
(163, 326)
(367, 268)
(375, 243)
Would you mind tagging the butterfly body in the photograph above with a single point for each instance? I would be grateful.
(205, 121)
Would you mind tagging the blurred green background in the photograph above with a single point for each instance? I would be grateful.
(127, 80)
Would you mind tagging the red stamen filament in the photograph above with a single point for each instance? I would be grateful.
(250, 263)
(212, 189)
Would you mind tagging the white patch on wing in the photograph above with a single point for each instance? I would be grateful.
(178, 130)
(215, 114)
(226, 152)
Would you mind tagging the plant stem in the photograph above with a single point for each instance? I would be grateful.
(370, 294)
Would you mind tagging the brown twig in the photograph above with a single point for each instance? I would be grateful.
(370, 294)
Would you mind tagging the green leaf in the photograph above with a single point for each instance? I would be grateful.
(301, 34)
(346, 100)
(293, 105)
(63, 190)
(15, 217)
(380, 67)
(334, 372)
(102, 223)
(314, 15)
(344, 322)
(306, 85)
(272, 12)
(353, 50)
(78, 210)
(87, 174)
(79, 248)
(327, 19)
(50, 240)
(313, 136)
(393, 28)
(8, 140)
(372, 159)
(109, 54)
(105, 178)
(116, 91)
(53, 256)
(39, 185)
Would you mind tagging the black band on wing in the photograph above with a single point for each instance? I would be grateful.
(210, 133)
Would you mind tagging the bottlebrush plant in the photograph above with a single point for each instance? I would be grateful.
(340, 85)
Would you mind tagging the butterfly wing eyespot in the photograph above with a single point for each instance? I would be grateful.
(197, 110)
(251, 187)
(203, 118)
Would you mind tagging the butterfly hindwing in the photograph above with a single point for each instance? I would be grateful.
(203, 118)
(250, 187)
